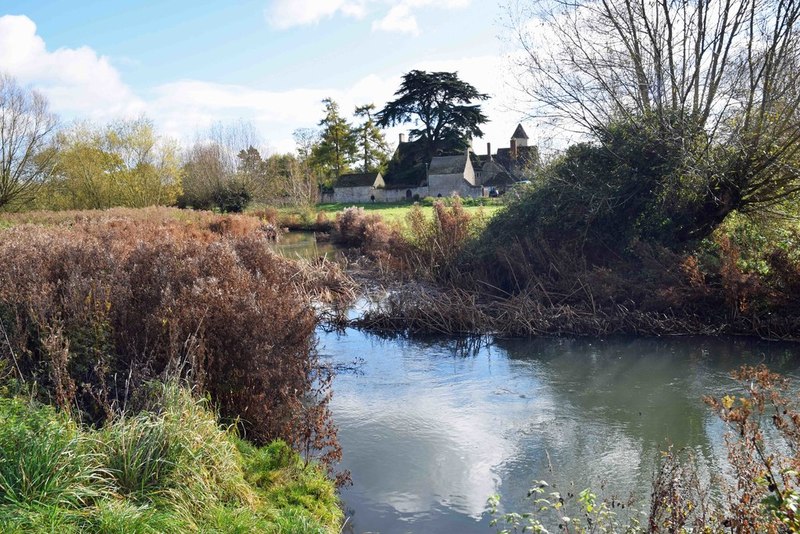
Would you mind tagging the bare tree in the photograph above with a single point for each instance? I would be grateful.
(211, 165)
(231, 138)
(720, 76)
(26, 129)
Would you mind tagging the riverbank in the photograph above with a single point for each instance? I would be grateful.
(424, 308)
(170, 468)
(439, 277)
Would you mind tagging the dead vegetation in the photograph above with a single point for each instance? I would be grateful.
(436, 281)
(96, 304)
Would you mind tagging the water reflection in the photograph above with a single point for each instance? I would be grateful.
(304, 245)
(430, 430)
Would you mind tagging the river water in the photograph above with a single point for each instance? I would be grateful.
(432, 427)
(303, 245)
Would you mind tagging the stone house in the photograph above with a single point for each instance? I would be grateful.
(519, 159)
(453, 175)
(358, 187)
(467, 174)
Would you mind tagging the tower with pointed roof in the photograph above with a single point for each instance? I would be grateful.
(520, 138)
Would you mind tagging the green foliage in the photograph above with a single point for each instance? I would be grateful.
(210, 183)
(373, 151)
(122, 164)
(577, 514)
(168, 469)
(607, 195)
(337, 144)
(44, 459)
(232, 197)
(441, 104)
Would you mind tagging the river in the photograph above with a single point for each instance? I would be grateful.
(432, 427)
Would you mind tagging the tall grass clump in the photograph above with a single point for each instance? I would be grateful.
(44, 459)
(168, 468)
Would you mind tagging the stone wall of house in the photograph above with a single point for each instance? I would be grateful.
(360, 194)
(444, 185)
(397, 195)
(364, 195)
(448, 184)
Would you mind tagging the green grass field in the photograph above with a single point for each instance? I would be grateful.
(396, 212)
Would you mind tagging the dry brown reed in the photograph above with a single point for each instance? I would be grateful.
(354, 227)
(229, 224)
(97, 305)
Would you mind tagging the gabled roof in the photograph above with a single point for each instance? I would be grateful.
(362, 179)
(492, 167)
(519, 133)
(448, 165)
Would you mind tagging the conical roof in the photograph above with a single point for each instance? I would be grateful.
(519, 133)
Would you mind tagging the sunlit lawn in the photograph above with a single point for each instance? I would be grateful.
(396, 212)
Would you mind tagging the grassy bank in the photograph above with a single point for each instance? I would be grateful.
(169, 468)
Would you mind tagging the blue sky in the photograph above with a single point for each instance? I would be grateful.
(186, 64)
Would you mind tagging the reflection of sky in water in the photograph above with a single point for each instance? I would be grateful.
(430, 434)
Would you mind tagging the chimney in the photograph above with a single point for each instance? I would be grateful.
(402, 138)
(514, 148)
(489, 150)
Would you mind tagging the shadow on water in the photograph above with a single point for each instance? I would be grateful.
(431, 427)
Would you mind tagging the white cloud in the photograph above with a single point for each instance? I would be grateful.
(184, 107)
(284, 14)
(401, 17)
(76, 80)
(80, 83)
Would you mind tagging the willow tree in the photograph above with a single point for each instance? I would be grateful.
(125, 163)
(719, 78)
